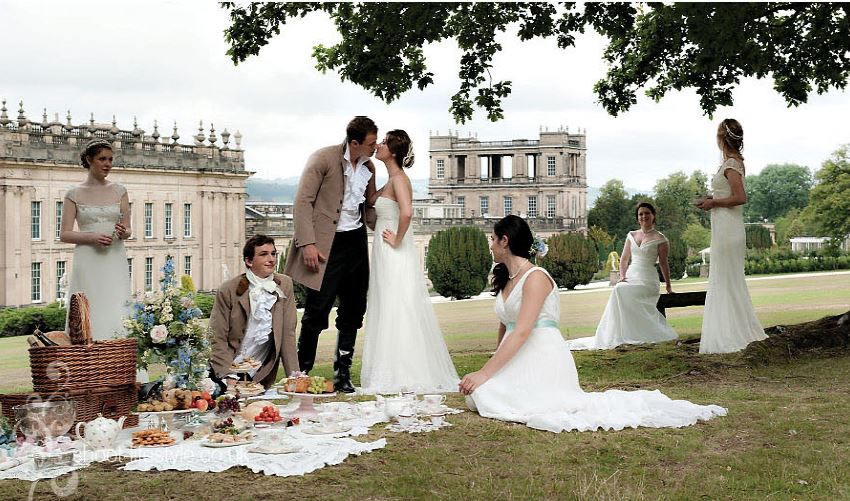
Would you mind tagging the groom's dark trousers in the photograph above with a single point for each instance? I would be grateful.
(346, 277)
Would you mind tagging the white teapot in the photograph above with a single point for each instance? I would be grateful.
(101, 432)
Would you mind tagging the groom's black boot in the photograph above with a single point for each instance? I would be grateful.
(342, 362)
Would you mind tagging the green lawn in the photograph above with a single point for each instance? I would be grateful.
(787, 435)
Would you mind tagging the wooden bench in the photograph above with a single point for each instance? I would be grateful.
(679, 299)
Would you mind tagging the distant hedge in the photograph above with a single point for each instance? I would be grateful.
(23, 321)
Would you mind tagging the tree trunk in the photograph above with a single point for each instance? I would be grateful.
(785, 342)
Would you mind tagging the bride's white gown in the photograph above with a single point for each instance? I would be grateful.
(403, 347)
(101, 272)
(631, 316)
(539, 385)
(729, 323)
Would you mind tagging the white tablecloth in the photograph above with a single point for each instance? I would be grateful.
(316, 452)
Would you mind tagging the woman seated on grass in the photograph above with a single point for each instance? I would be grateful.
(532, 377)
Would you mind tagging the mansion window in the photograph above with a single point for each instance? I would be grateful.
(169, 227)
(60, 272)
(550, 166)
(35, 282)
(441, 168)
(532, 206)
(58, 219)
(187, 220)
(148, 273)
(509, 205)
(485, 206)
(550, 206)
(35, 220)
(148, 220)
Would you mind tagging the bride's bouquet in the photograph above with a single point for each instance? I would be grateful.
(169, 330)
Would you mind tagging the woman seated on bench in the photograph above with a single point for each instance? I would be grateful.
(631, 316)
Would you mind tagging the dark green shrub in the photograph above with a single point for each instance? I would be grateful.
(459, 261)
(204, 301)
(572, 259)
(23, 321)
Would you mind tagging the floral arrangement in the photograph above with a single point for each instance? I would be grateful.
(538, 247)
(169, 330)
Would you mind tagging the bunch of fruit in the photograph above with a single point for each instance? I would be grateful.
(225, 426)
(202, 400)
(227, 403)
(269, 414)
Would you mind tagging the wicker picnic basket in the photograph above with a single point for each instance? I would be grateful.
(111, 401)
(76, 367)
(84, 364)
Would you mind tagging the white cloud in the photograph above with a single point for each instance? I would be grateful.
(166, 61)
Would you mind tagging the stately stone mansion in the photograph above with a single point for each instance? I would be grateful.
(187, 201)
(539, 179)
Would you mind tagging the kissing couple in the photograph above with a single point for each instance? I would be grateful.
(329, 254)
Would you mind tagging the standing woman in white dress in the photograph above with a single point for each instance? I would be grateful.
(101, 210)
(729, 323)
(631, 316)
(404, 347)
(532, 377)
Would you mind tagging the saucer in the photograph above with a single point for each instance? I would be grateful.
(326, 430)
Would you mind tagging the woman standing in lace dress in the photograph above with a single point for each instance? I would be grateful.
(101, 210)
(729, 323)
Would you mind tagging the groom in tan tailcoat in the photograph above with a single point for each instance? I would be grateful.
(329, 252)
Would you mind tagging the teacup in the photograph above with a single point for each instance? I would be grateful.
(433, 401)
(437, 419)
(329, 419)
(405, 419)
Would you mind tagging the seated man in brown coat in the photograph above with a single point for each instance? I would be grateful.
(254, 317)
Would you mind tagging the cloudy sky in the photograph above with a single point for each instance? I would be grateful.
(165, 61)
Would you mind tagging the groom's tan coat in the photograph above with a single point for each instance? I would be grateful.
(318, 204)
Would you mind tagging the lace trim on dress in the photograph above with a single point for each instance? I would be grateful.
(734, 164)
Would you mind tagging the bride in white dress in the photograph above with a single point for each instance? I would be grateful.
(404, 347)
(101, 210)
(631, 316)
(532, 377)
(729, 323)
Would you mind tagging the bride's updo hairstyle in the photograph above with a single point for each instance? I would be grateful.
(400, 145)
(93, 147)
(730, 138)
(519, 242)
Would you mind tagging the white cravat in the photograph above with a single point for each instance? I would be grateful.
(259, 286)
(356, 181)
(261, 294)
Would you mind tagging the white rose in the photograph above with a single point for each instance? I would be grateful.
(159, 333)
(186, 302)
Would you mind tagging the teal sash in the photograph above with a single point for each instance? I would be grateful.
(539, 323)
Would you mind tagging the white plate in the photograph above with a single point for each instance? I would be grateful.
(207, 443)
(172, 444)
(322, 430)
(315, 395)
(164, 413)
(284, 449)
